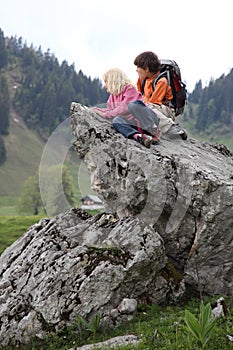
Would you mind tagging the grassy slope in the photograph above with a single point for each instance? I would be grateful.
(214, 137)
(24, 151)
(11, 228)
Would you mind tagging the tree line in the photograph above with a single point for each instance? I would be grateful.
(43, 89)
(212, 107)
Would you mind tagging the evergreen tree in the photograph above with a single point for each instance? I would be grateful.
(46, 89)
(2, 151)
(4, 104)
(3, 51)
(195, 95)
(48, 108)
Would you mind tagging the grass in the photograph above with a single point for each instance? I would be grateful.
(156, 326)
(8, 205)
(12, 227)
(24, 149)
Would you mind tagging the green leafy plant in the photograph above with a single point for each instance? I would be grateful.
(201, 329)
(91, 326)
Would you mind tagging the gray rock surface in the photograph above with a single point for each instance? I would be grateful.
(75, 265)
(166, 232)
(183, 188)
(112, 343)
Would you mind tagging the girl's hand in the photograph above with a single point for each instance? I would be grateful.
(97, 111)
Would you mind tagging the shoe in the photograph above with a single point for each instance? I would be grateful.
(154, 135)
(144, 140)
(155, 138)
(184, 135)
(175, 130)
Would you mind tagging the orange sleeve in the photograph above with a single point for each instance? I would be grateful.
(161, 92)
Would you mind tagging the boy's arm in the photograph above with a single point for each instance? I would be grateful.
(160, 92)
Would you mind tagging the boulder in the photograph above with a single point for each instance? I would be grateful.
(75, 265)
(165, 234)
(184, 189)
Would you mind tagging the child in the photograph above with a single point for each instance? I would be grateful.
(148, 68)
(122, 92)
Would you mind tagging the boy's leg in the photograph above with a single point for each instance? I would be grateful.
(167, 125)
(164, 122)
(145, 115)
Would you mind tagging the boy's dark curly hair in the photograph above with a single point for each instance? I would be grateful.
(148, 59)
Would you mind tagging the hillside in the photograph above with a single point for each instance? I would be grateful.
(39, 91)
(24, 151)
(213, 136)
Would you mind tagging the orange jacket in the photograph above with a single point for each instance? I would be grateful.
(161, 94)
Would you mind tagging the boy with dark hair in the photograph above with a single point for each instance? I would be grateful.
(148, 68)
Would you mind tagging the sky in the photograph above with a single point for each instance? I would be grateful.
(102, 34)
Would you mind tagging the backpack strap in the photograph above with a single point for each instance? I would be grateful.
(143, 85)
(165, 74)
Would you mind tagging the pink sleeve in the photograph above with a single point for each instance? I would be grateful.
(107, 109)
(129, 94)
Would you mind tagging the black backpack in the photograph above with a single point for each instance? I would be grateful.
(171, 71)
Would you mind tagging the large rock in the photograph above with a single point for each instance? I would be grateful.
(183, 188)
(166, 234)
(79, 265)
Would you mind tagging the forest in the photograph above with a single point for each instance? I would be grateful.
(40, 89)
(211, 107)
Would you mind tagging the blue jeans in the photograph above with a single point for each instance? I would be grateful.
(144, 118)
(144, 114)
(124, 126)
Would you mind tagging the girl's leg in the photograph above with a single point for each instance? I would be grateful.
(122, 125)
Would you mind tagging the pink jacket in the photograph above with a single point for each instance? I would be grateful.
(118, 104)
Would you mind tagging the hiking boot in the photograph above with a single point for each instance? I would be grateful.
(176, 130)
(144, 140)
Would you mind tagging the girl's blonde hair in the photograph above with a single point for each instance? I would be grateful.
(116, 80)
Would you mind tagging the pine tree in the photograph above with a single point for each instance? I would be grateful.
(2, 151)
(4, 104)
(3, 51)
